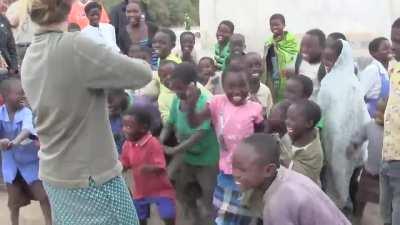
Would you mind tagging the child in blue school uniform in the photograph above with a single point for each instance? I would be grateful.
(20, 162)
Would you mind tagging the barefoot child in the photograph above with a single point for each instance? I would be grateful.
(222, 48)
(288, 197)
(20, 162)
(280, 51)
(145, 156)
(234, 118)
(198, 146)
(259, 92)
(305, 155)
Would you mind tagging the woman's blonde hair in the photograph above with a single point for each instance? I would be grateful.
(47, 12)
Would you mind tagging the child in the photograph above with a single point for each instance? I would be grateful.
(187, 53)
(117, 103)
(308, 61)
(237, 45)
(199, 147)
(208, 75)
(340, 89)
(20, 162)
(298, 87)
(259, 92)
(395, 38)
(375, 77)
(163, 43)
(372, 132)
(390, 169)
(280, 51)
(165, 96)
(144, 155)
(103, 33)
(140, 52)
(305, 155)
(288, 197)
(234, 118)
(221, 50)
(73, 27)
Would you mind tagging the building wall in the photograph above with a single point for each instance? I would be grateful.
(360, 20)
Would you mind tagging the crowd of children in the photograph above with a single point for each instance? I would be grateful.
(216, 133)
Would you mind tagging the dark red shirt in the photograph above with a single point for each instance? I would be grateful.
(147, 151)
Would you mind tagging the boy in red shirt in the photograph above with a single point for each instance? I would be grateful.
(144, 154)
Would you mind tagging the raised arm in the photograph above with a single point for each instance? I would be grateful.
(103, 68)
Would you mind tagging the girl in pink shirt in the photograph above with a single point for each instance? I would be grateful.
(234, 118)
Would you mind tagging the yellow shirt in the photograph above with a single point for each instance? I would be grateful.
(391, 138)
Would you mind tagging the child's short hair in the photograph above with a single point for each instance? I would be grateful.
(170, 33)
(141, 116)
(120, 94)
(238, 36)
(92, 5)
(166, 62)
(319, 34)
(73, 27)
(185, 72)
(7, 83)
(306, 82)
(278, 16)
(211, 60)
(266, 146)
(235, 62)
(396, 23)
(311, 110)
(229, 24)
(231, 70)
(337, 36)
(374, 44)
(187, 33)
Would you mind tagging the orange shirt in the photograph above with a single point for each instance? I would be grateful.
(77, 15)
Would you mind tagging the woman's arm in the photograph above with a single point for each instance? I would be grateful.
(103, 68)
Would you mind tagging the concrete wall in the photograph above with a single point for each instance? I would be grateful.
(360, 20)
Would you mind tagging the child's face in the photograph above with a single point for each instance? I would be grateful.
(132, 129)
(114, 105)
(296, 122)
(187, 44)
(179, 88)
(253, 64)
(277, 27)
(294, 91)
(15, 96)
(206, 70)
(329, 58)
(236, 88)
(248, 171)
(141, 55)
(165, 72)
(276, 121)
(94, 17)
(162, 45)
(384, 52)
(224, 33)
(311, 49)
(133, 13)
(396, 49)
(237, 46)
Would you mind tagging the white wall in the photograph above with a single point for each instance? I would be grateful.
(360, 20)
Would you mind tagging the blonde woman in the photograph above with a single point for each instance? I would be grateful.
(64, 76)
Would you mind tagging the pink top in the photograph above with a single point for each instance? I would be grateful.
(232, 124)
(148, 151)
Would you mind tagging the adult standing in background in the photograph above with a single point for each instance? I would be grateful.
(77, 14)
(136, 31)
(9, 62)
(23, 28)
(64, 75)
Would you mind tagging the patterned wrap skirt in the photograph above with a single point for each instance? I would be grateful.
(106, 204)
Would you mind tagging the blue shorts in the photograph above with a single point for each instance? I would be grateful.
(166, 207)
